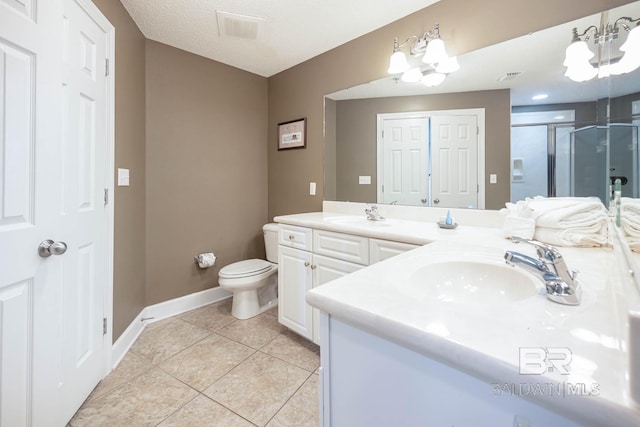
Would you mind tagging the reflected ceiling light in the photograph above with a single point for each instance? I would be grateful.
(578, 54)
(539, 96)
(433, 52)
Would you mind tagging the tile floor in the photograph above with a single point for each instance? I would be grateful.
(206, 368)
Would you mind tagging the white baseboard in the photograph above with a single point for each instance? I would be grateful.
(160, 311)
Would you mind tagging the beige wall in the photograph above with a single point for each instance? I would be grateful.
(298, 92)
(129, 240)
(206, 168)
(356, 140)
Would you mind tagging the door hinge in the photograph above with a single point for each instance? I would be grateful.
(477, 130)
(106, 67)
(106, 196)
(478, 188)
(104, 326)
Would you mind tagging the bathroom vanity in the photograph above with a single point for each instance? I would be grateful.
(309, 257)
(398, 350)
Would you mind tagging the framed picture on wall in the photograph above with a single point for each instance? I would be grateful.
(292, 134)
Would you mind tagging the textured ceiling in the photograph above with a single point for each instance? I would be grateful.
(292, 32)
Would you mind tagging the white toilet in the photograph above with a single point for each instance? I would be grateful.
(254, 282)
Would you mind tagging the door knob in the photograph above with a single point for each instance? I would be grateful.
(436, 201)
(49, 247)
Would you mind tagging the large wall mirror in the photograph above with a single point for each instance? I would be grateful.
(573, 142)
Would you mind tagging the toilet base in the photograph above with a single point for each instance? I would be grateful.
(245, 306)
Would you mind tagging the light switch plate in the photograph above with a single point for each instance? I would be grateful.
(493, 178)
(312, 188)
(123, 177)
(364, 180)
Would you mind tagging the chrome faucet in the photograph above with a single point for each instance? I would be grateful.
(372, 213)
(561, 283)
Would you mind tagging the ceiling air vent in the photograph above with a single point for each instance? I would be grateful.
(238, 26)
(510, 76)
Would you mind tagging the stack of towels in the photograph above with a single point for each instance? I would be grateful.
(561, 221)
(630, 222)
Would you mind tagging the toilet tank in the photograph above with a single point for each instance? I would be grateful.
(270, 232)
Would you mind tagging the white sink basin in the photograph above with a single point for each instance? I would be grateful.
(360, 222)
(480, 282)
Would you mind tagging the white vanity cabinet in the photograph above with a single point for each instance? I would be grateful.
(308, 258)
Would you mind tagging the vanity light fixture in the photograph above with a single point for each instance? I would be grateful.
(578, 54)
(432, 49)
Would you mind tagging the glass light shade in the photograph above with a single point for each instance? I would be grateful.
(398, 63)
(631, 59)
(412, 75)
(433, 79)
(576, 53)
(581, 73)
(435, 52)
(632, 45)
(448, 66)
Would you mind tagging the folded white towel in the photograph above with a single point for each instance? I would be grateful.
(590, 236)
(520, 208)
(562, 212)
(630, 227)
(515, 226)
(633, 243)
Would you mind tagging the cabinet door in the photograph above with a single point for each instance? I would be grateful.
(326, 269)
(294, 280)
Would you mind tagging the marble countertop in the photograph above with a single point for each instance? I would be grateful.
(485, 340)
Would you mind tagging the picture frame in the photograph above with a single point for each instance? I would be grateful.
(292, 134)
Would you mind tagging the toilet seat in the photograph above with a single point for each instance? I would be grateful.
(249, 267)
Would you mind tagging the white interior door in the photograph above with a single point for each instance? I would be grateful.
(454, 149)
(53, 171)
(405, 152)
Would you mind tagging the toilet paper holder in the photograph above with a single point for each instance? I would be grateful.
(205, 260)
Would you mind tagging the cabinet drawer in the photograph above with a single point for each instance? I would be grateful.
(342, 246)
(379, 250)
(295, 237)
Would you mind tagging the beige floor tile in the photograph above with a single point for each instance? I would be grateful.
(205, 362)
(202, 411)
(129, 367)
(254, 332)
(294, 349)
(144, 401)
(163, 341)
(211, 317)
(273, 311)
(302, 410)
(258, 387)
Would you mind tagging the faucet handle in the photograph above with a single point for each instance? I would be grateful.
(544, 250)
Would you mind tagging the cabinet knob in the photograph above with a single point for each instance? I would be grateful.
(291, 237)
(306, 264)
(313, 267)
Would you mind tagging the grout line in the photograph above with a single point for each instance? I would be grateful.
(290, 397)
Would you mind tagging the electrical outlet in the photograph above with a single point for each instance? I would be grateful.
(364, 180)
(312, 188)
(493, 178)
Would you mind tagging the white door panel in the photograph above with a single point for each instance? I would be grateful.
(53, 166)
(454, 145)
(405, 159)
